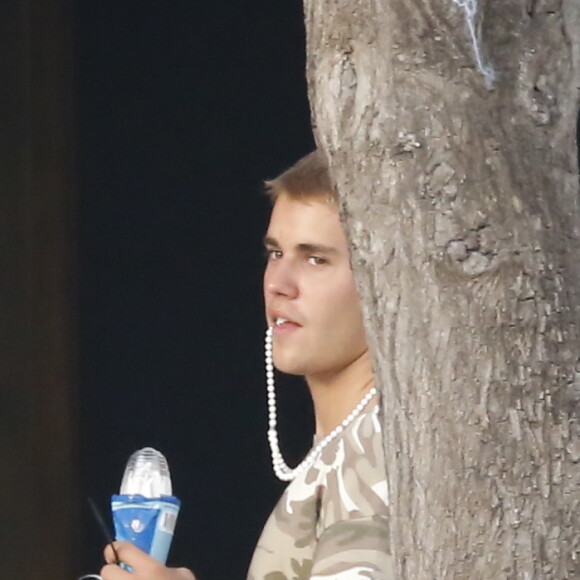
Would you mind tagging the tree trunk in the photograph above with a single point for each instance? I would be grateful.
(459, 194)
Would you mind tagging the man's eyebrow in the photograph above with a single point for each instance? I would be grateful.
(270, 242)
(304, 248)
(316, 249)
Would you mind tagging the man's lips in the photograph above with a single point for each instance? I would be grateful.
(282, 321)
(282, 327)
(286, 324)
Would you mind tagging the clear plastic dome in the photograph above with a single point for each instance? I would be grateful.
(146, 474)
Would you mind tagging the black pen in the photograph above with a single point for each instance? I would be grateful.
(104, 527)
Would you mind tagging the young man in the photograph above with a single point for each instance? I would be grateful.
(331, 522)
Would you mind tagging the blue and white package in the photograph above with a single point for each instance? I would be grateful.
(145, 511)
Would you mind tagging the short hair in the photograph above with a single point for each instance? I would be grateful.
(306, 179)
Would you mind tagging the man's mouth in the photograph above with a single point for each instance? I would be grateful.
(282, 322)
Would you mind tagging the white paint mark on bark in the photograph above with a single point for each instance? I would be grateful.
(470, 8)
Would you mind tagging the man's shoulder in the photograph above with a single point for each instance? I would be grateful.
(354, 484)
(360, 448)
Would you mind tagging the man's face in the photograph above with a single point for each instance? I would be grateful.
(310, 296)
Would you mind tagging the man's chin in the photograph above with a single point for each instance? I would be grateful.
(289, 370)
(288, 367)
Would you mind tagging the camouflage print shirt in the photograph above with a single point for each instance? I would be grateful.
(331, 522)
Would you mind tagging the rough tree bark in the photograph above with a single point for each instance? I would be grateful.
(461, 204)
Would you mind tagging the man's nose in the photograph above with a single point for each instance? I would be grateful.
(280, 279)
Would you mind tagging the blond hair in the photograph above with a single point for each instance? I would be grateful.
(308, 178)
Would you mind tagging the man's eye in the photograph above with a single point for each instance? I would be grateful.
(273, 254)
(316, 260)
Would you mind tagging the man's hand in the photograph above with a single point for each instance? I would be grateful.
(145, 567)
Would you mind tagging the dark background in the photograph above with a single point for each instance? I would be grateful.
(182, 109)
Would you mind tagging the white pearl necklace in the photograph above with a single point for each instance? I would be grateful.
(281, 469)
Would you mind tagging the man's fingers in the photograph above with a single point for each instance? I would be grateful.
(109, 554)
(129, 554)
(113, 572)
(144, 565)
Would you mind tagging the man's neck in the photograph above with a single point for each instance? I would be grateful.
(335, 396)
